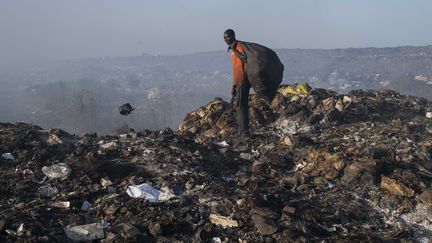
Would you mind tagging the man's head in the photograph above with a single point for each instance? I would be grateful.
(229, 36)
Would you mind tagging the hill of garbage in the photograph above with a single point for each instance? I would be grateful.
(319, 166)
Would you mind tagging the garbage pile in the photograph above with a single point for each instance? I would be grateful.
(319, 166)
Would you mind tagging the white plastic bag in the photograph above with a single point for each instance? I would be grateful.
(145, 190)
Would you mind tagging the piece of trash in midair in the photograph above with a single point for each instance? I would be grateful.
(126, 109)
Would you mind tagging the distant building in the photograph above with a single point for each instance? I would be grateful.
(421, 78)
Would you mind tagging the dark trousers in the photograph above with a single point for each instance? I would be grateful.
(242, 107)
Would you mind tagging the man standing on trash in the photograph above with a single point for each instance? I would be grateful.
(241, 85)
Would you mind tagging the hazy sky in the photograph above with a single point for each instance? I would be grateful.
(58, 29)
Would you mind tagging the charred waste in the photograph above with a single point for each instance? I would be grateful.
(319, 166)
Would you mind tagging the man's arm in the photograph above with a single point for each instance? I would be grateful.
(239, 66)
(241, 56)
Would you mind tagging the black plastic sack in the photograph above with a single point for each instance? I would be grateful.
(263, 68)
(126, 109)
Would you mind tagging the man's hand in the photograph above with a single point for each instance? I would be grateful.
(233, 93)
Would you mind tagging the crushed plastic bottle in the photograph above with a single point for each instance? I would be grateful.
(61, 171)
(48, 191)
(86, 232)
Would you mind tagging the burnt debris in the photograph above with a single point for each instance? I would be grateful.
(319, 166)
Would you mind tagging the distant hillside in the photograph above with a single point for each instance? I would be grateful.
(367, 68)
(83, 95)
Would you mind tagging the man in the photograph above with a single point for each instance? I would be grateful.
(241, 85)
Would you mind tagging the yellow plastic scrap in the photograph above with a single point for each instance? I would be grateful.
(298, 89)
(287, 91)
(303, 88)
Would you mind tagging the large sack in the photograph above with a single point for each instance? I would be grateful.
(263, 68)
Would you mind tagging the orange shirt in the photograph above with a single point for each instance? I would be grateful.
(239, 67)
